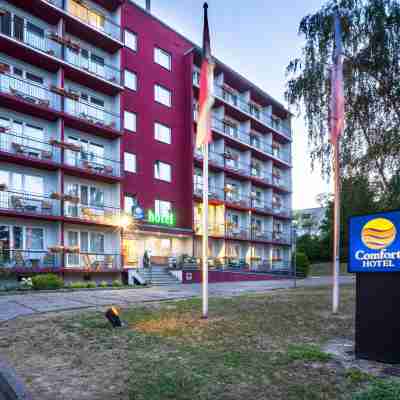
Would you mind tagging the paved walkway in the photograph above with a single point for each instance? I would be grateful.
(19, 305)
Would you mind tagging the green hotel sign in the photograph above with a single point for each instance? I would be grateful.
(157, 219)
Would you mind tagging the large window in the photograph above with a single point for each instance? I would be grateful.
(130, 121)
(130, 80)
(162, 95)
(162, 133)
(162, 58)
(21, 238)
(130, 162)
(162, 171)
(131, 40)
(22, 182)
(162, 208)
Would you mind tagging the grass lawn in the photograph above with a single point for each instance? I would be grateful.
(253, 347)
(325, 269)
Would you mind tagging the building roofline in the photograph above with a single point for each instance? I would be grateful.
(198, 48)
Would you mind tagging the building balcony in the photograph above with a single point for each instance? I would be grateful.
(93, 262)
(237, 199)
(27, 150)
(237, 232)
(214, 193)
(89, 164)
(34, 98)
(13, 202)
(99, 214)
(215, 230)
(281, 237)
(29, 260)
(246, 107)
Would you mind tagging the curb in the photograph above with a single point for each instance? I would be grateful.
(11, 387)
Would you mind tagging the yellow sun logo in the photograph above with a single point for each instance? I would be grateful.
(378, 233)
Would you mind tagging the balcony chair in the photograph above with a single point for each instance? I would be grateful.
(49, 260)
(19, 260)
(109, 262)
(47, 207)
(16, 203)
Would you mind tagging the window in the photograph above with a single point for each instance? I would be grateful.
(162, 95)
(130, 80)
(162, 58)
(130, 203)
(130, 162)
(162, 133)
(162, 208)
(79, 10)
(162, 171)
(131, 40)
(130, 121)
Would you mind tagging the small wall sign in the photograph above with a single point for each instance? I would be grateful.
(374, 242)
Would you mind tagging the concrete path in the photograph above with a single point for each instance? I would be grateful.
(19, 305)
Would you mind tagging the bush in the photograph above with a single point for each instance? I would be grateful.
(91, 285)
(78, 285)
(103, 284)
(47, 282)
(380, 390)
(302, 265)
(117, 283)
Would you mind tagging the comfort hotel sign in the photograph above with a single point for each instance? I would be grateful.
(374, 242)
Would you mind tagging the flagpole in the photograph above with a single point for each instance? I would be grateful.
(205, 231)
(336, 233)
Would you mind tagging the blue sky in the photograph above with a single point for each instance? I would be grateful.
(257, 38)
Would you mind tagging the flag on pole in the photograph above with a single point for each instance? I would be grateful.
(337, 86)
(206, 100)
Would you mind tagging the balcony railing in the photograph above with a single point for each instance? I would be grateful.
(95, 214)
(281, 237)
(35, 37)
(92, 163)
(214, 192)
(246, 107)
(237, 199)
(259, 235)
(93, 114)
(31, 203)
(29, 259)
(93, 262)
(105, 71)
(213, 229)
(29, 91)
(237, 233)
(13, 143)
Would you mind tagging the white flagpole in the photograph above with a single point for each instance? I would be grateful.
(205, 231)
(336, 233)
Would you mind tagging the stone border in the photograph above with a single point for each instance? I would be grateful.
(11, 387)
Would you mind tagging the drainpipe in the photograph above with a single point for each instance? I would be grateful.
(148, 6)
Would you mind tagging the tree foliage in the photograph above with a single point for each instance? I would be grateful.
(371, 41)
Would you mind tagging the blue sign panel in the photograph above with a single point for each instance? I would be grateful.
(374, 242)
(138, 213)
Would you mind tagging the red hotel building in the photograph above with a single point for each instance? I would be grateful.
(98, 105)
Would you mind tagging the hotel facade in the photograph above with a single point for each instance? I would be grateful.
(98, 109)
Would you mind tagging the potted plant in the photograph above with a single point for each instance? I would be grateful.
(71, 198)
(56, 249)
(55, 196)
(3, 187)
(72, 249)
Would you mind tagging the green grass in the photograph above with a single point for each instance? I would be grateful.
(252, 347)
(325, 269)
(380, 390)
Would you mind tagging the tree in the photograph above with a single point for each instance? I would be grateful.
(371, 40)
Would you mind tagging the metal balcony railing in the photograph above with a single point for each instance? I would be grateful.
(102, 70)
(280, 182)
(213, 229)
(31, 203)
(99, 214)
(29, 259)
(260, 235)
(29, 91)
(281, 237)
(32, 35)
(238, 233)
(247, 107)
(93, 114)
(92, 18)
(93, 262)
(13, 143)
(237, 199)
(214, 192)
(93, 163)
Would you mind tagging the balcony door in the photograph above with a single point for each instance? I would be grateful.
(90, 245)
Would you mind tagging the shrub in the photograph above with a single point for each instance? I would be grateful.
(117, 283)
(78, 285)
(103, 284)
(380, 390)
(302, 265)
(91, 285)
(307, 352)
(47, 282)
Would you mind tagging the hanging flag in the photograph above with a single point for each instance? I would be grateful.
(206, 100)
(337, 87)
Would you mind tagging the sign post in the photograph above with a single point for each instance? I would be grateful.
(374, 255)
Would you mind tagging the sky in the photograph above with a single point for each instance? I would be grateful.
(258, 39)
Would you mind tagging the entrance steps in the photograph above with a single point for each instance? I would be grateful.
(158, 276)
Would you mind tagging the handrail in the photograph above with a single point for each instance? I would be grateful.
(18, 258)
(93, 261)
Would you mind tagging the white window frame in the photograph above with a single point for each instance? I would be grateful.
(158, 58)
(133, 45)
(24, 228)
(126, 165)
(134, 77)
(158, 174)
(158, 207)
(159, 90)
(130, 116)
(160, 133)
